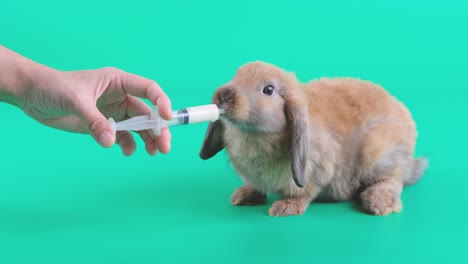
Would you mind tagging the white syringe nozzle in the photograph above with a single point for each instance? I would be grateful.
(183, 116)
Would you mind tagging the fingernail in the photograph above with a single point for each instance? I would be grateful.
(105, 139)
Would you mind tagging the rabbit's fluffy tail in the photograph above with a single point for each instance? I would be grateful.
(419, 167)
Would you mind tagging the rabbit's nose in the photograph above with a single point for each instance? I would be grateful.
(226, 94)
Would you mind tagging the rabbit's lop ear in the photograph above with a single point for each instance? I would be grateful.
(213, 142)
(298, 120)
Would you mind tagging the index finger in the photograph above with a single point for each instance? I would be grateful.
(145, 88)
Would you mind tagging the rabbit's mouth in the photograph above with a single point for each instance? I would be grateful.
(240, 124)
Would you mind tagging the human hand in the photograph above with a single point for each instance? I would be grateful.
(81, 101)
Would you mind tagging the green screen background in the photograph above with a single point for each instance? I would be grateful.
(63, 199)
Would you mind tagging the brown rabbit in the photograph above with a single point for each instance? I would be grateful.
(329, 140)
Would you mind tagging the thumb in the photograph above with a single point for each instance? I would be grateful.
(98, 126)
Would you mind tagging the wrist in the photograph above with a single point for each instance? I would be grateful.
(15, 77)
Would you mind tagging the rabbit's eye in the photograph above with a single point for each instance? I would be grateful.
(268, 90)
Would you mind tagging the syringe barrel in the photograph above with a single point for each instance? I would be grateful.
(189, 115)
(195, 114)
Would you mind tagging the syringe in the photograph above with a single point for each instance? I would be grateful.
(182, 116)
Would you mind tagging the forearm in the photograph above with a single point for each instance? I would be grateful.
(16, 75)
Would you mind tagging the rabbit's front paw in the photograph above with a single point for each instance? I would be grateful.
(285, 207)
(246, 195)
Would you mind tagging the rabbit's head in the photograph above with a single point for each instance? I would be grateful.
(254, 99)
(263, 99)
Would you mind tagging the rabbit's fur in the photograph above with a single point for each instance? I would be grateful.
(328, 139)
